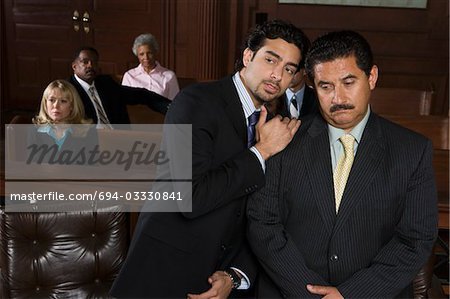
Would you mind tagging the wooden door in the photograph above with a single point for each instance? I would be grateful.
(42, 36)
(40, 41)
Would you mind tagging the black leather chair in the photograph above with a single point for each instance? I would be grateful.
(62, 254)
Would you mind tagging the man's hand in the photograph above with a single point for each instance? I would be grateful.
(273, 136)
(220, 287)
(326, 291)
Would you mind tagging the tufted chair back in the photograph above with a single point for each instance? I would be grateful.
(62, 255)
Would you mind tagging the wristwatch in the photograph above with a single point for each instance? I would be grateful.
(235, 280)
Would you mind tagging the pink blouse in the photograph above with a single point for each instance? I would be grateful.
(160, 80)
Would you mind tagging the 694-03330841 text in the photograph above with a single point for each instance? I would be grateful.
(140, 195)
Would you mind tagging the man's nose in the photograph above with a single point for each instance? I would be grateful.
(276, 73)
(337, 95)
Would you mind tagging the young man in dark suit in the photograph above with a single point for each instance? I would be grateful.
(349, 209)
(105, 101)
(299, 100)
(204, 251)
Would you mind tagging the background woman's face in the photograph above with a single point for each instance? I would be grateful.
(146, 56)
(59, 106)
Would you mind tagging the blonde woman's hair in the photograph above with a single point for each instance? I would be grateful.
(76, 116)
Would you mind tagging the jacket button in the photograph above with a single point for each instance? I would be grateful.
(334, 258)
(223, 247)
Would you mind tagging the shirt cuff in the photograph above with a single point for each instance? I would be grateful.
(260, 158)
(245, 282)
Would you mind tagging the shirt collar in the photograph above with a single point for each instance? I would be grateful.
(299, 95)
(84, 84)
(48, 130)
(156, 69)
(244, 96)
(336, 133)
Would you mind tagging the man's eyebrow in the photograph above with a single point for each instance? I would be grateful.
(280, 58)
(349, 76)
(323, 82)
(274, 54)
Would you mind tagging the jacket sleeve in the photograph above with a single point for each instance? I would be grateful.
(137, 95)
(272, 244)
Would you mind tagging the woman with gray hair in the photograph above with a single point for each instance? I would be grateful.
(149, 73)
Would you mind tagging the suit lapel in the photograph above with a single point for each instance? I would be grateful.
(103, 89)
(309, 102)
(370, 153)
(318, 165)
(233, 108)
(89, 109)
(282, 106)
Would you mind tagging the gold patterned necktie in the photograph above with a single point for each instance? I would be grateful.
(103, 119)
(343, 168)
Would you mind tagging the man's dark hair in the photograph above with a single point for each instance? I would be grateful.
(339, 44)
(272, 30)
(76, 54)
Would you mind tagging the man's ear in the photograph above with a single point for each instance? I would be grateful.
(373, 77)
(247, 56)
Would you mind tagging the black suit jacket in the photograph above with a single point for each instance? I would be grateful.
(310, 104)
(173, 254)
(385, 228)
(116, 97)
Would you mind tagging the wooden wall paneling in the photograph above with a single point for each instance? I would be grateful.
(212, 25)
(437, 83)
(242, 17)
(186, 39)
(167, 42)
(39, 33)
(202, 39)
(233, 25)
(115, 24)
(408, 43)
(3, 82)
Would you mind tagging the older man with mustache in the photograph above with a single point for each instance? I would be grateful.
(349, 209)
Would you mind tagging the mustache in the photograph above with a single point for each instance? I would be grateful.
(338, 107)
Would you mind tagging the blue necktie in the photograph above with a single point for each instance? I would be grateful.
(251, 131)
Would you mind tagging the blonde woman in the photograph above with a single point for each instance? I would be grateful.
(61, 121)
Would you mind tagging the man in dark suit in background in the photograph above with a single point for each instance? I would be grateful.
(105, 101)
(349, 209)
(299, 99)
(173, 254)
